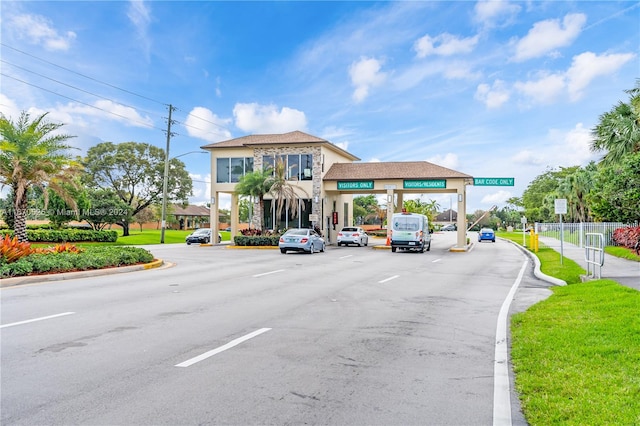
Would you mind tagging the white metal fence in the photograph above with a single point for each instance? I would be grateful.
(574, 233)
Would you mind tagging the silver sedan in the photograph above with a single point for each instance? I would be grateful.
(301, 239)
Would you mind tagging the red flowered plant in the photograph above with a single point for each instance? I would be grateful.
(627, 237)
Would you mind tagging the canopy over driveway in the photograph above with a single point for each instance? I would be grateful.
(398, 178)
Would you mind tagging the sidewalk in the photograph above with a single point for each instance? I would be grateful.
(626, 272)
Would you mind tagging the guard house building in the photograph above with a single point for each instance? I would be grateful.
(325, 178)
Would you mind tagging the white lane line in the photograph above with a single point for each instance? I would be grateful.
(37, 319)
(437, 260)
(344, 257)
(388, 279)
(501, 384)
(222, 348)
(268, 273)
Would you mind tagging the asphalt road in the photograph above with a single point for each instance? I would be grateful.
(352, 336)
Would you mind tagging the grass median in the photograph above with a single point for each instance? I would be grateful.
(576, 355)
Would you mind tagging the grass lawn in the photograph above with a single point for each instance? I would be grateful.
(152, 236)
(576, 355)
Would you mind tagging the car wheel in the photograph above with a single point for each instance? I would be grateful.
(393, 249)
(323, 248)
(206, 241)
(188, 243)
(311, 250)
(283, 251)
(366, 243)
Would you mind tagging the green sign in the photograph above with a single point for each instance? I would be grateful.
(358, 184)
(493, 181)
(425, 184)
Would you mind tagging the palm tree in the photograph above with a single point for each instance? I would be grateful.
(256, 185)
(284, 194)
(618, 132)
(31, 156)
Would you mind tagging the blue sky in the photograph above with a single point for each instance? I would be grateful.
(491, 89)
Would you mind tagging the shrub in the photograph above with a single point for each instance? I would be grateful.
(241, 240)
(627, 237)
(11, 249)
(66, 235)
(65, 261)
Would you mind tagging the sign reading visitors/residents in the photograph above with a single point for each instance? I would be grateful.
(493, 181)
(356, 184)
(424, 183)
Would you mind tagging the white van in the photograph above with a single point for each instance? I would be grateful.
(410, 231)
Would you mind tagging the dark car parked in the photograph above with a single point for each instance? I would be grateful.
(202, 236)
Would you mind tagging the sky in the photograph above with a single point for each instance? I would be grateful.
(487, 88)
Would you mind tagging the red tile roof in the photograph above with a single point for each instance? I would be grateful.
(391, 170)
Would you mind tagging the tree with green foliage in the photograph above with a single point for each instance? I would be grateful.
(145, 215)
(134, 171)
(256, 185)
(367, 209)
(59, 212)
(33, 154)
(285, 195)
(105, 208)
(618, 130)
(616, 195)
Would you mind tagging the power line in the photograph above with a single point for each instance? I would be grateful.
(77, 88)
(83, 103)
(85, 76)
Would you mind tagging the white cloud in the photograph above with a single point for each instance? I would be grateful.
(528, 157)
(343, 145)
(9, 108)
(491, 13)
(140, 16)
(39, 30)
(544, 90)
(365, 74)
(496, 198)
(449, 160)
(545, 36)
(571, 148)
(587, 66)
(255, 118)
(110, 110)
(202, 123)
(444, 45)
(493, 96)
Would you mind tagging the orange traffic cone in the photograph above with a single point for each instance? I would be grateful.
(388, 243)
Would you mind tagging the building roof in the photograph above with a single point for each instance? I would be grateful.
(190, 210)
(391, 170)
(294, 138)
(447, 215)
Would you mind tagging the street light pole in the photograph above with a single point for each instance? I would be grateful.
(165, 182)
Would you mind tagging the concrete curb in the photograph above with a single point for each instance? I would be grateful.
(32, 279)
(536, 270)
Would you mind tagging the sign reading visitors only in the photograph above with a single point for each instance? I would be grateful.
(424, 183)
(493, 181)
(356, 184)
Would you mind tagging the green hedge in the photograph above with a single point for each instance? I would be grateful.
(67, 235)
(91, 258)
(241, 240)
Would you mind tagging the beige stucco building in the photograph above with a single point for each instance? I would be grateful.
(326, 178)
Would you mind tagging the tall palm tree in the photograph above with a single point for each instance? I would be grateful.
(618, 132)
(284, 194)
(31, 156)
(256, 185)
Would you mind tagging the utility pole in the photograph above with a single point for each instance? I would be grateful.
(165, 182)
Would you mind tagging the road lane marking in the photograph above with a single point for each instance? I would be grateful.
(388, 279)
(501, 383)
(37, 319)
(344, 257)
(222, 348)
(268, 273)
(437, 260)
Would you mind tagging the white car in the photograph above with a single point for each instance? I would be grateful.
(352, 235)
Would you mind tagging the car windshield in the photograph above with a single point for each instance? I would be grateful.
(201, 231)
(297, 232)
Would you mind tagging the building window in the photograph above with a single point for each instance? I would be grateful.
(298, 166)
(230, 170)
